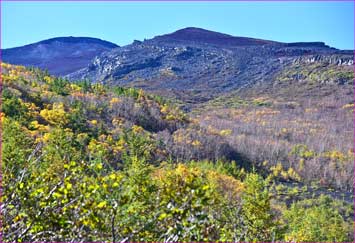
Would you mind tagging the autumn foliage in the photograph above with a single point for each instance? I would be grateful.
(87, 162)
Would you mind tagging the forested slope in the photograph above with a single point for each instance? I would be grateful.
(87, 162)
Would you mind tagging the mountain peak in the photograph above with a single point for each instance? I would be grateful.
(199, 35)
(72, 39)
(60, 55)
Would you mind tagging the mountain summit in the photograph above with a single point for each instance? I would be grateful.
(198, 35)
(196, 65)
(60, 56)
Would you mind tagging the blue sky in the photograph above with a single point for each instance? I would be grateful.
(122, 22)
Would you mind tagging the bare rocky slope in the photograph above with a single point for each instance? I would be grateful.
(196, 65)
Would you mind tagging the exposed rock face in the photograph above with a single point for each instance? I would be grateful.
(338, 59)
(191, 64)
(196, 65)
(60, 56)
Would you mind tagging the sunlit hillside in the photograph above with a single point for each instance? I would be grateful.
(87, 162)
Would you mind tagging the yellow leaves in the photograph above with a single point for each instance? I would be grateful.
(112, 176)
(300, 236)
(48, 79)
(68, 186)
(2, 117)
(57, 195)
(308, 154)
(264, 112)
(11, 73)
(164, 109)
(291, 173)
(113, 179)
(5, 65)
(140, 94)
(302, 151)
(206, 187)
(37, 192)
(117, 122)
(228, 185)
(348, 106)
(42, 204)
(276, 170)
(172, 113)
(99, 166)
(94, 146)
(183, 182)
(46, 137)
(40, 127)
(32, 108)
(88, 222)
(21, 185)
(310, 110)
(335, 155)
(93, 187)
(99, 89)
(102, 204)
(120, 145)
(162, 216)
(225, 132)
(180, 175)
(114, 101)
(137, 129)
(82, 137)
(196, 143)
(56, 115)
(93, 122)
(104, 185)
(284, 130)
(80, 95)
(74, 88)
(170, 117)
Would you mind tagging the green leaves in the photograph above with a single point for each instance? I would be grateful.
(257, 210)
(317, 222)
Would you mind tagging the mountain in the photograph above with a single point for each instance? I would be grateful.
(198, 35)
(267, 120)
(60, 56)
(196, 65)
(193, 65)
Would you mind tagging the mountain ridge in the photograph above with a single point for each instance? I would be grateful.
(60, 55)
(191, 64)
(210, 37)
(69, 39)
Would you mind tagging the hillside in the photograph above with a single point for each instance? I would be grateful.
(189, 136)
(89, 162)
(195, 65)
(60, 56)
